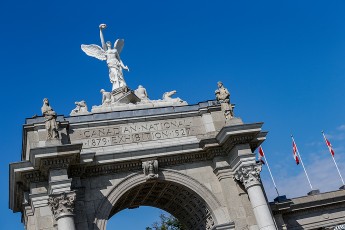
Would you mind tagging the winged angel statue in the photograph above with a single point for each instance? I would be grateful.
(111, 55)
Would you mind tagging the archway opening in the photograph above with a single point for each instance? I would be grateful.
(183, 203)
(138, 218)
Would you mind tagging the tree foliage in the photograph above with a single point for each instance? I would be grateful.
(166, 223)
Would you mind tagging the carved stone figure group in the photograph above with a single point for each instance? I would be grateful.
(120, 95)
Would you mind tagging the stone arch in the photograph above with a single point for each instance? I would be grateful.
(191, 197)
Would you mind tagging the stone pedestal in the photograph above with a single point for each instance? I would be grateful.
(249, 176)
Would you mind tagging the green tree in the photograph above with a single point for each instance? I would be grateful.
(166, 223)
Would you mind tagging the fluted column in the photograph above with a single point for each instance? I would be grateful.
(250, 177)
(62, 206)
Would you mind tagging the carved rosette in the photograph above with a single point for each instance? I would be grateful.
(62, 204)
(249, 175)
(150, 169)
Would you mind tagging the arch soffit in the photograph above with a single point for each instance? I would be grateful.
(219, 212)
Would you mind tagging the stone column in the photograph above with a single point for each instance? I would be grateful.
(250, 177)
(62, 206)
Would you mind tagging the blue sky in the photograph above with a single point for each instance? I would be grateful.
(283, 62)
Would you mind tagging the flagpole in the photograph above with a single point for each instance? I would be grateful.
(342, 180)
(269, 170)
(299, 155)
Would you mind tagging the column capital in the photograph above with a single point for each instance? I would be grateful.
(62, 204)
(249, 175)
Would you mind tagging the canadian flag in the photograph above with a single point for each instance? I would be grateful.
(329, 145)
(294, 152)
(261, 155)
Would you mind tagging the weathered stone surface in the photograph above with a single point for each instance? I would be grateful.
(180, 159)
(62, 204)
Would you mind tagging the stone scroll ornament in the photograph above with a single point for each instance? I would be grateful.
(223, 97)
(62, 204)
(50, 120)
(150, 169)
(249, 175)
(111, 55)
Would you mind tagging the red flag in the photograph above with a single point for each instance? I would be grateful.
(329, 146)
(294, 152)
(261, 153)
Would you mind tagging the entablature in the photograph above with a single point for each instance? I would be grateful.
(103, 143)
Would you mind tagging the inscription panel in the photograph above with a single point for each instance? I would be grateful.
(136, 132)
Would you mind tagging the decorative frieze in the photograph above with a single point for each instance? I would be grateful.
(249, 175)
(62, 204)
(167, 161)
(97, 170)
(57, 162)
(150, 169)
(48, 164)
(32, 176)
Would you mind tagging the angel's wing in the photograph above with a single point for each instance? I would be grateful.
(119, 43)
(94, 51)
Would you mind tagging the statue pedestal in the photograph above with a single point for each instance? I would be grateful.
(124, 95)
(52, 142)
(121, 99)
